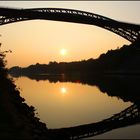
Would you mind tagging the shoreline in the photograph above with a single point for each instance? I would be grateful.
(19, 118)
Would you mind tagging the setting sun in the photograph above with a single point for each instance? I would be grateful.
(63, 52)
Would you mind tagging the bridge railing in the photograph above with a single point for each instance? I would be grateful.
(71, 11)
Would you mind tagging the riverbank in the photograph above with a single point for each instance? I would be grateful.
(17, 119)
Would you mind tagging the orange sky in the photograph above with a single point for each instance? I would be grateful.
(41, 40)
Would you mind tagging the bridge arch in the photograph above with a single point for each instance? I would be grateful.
(128, 31)
(129, 116)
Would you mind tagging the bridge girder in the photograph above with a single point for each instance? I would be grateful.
(128, 31)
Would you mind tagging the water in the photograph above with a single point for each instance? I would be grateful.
(66, 104)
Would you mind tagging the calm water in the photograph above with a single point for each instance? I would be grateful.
(66, 104)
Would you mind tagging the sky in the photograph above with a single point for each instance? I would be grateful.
(42, 41)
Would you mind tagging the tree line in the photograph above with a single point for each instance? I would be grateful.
(124, 59)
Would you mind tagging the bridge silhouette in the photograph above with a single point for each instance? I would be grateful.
(127, 117)
(128, 31)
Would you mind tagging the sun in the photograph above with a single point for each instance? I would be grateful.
(63, 90)
(63, 52)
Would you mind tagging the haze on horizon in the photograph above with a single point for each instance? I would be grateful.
(41, 41)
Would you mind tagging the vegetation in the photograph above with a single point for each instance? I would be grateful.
(2, 63)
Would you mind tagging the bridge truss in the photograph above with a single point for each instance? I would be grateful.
(128, 31)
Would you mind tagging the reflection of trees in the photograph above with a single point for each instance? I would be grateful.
(129, 116)
(126, 88)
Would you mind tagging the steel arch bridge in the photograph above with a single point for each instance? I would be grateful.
(128, 31)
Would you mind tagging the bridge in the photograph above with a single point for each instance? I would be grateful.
(129, 116)
(129, 31)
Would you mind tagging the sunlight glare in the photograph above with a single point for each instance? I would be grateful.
(63, 90)
(63, 52)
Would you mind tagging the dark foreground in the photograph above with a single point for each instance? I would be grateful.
(17, 119)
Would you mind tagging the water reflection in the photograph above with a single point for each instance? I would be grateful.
(63, 90)
(129, 116)
(87, 101)
(65, 104)
(124, 87)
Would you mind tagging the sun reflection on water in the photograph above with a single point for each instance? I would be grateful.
(63, 90)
